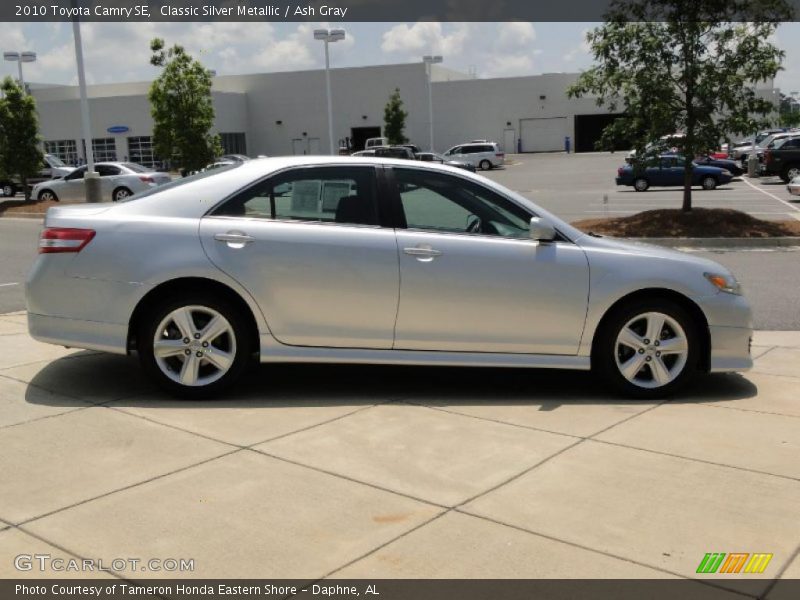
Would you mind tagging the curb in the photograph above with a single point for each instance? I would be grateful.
(775, 242)
(22, 215)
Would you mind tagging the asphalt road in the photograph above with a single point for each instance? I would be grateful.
(771, 277)
(573, 186)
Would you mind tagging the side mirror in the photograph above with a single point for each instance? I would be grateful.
(541, 230)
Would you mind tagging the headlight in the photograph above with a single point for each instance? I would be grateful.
(724, 283)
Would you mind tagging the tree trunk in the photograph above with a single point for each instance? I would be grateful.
(687, 187)
(25, 188)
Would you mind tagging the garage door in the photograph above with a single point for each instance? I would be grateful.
(543, 135)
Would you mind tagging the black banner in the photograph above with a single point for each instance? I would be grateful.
(710, 588)
(314, 10)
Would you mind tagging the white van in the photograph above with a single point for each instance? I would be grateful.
(480, 155)
(376, 142)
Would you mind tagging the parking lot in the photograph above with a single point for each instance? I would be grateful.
(378, 472)
(574, 187)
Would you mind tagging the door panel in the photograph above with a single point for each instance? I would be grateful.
(305, 243)
(485, 294)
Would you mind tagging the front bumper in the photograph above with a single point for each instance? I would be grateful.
(730, 327)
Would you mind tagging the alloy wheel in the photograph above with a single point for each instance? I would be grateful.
(194, 346)
(47, 196)
(651, 350)
(121, 194)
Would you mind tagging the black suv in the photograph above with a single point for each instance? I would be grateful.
(783, 159)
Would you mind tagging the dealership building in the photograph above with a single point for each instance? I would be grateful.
(286, 113)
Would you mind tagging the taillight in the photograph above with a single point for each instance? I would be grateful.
(500, 155)
(767, 156)
(64, 239)
(147, 179)
(619, 171)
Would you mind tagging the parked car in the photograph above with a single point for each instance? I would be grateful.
(234, 157)
(743, 149)
(721, 163)
(484, 156)
(300, 259)
(52, 167)
(438, 158)
(376, 142)
(794, 186)
(783, 159)
(118, 180)
(395, 152)
(666, 143)
(413, 147)
(364, 153)
(668, 170)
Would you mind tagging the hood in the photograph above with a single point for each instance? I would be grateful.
(649, 250)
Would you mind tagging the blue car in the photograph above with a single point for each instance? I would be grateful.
(668, 170)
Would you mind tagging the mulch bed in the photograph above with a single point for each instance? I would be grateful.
(700, 222)
(11, 207)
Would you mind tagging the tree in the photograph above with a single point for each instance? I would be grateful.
(688, 66)
(394, 119)
(19, 134)
(789, 115)
(182, 109)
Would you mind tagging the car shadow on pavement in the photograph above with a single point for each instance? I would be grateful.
(103, 378)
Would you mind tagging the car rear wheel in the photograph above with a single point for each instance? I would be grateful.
(9, 190)
(647, 349)
(486, 165)
(194, 346)
(790, 173)
(48, 196)
(709, 183)
(120, 194)
(641, 184)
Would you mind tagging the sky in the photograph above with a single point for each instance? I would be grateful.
(119, 52)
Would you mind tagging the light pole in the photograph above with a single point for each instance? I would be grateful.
(91, 178)
(19, 58)
(329, 35)
(430, 60)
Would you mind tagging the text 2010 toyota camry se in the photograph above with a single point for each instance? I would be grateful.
(345, 260)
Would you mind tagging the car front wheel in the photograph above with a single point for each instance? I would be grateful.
(485, 165)
(194, 346)
(647, 349)
(709, 183)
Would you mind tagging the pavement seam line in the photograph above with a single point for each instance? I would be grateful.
(750, 410)
(519, 528)
(698, 460)
(347, 478)
(63, 549)
(774, 581)
(124, 488)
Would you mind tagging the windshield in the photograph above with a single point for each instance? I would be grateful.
(779, 142)
(55, 161)
(182, 181)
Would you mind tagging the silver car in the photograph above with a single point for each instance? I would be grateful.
(368, 260)
(118, 180)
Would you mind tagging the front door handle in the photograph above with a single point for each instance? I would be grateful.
(234, 239)
(423, 252)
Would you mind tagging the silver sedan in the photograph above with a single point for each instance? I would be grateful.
(367, 260)
(118, 180)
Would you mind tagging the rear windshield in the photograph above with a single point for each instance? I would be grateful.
(136, 168)
(182, 181)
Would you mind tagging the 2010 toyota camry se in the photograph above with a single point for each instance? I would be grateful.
(365, 260)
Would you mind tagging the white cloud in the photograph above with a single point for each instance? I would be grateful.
(425, 37)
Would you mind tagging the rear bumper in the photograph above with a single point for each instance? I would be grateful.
(74, 333)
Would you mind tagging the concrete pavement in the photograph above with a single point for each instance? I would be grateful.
(380, 472)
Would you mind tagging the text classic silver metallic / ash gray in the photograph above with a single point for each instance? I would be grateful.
(363, 260)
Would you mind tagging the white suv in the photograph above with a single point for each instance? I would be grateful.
(484, 155)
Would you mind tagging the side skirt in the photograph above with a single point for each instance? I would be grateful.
(274, 352)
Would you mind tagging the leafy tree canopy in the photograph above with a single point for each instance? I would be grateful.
(19, 134)
(688, 66)
(182, 108)
(394, 118)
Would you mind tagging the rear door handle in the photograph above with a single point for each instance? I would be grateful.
(234, 238)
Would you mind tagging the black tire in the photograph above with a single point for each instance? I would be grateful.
(9, 190)
(790, 172)
(47, 195)
(709, 183)
(120, 194)
(146, 333)
(640, 184)
(485, 165)
(605, 350)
